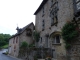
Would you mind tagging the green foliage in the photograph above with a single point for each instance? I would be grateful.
(4, 39)
(31, 45)
(24, 44)
(68, 45)
(36, 36)
(23, 49)
(69, 32)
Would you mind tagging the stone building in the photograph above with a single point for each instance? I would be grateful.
(50, 19)
(23, 34)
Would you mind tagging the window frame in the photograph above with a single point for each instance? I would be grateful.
(54, 13)
(54, 53)
(16, 39)
(43, 11)
(54, 40)
(53, 3)
(28, 32)
(75, 7)
(78, 8)
(41, 40)
(43, 25)
(13, 40)
(54, 19)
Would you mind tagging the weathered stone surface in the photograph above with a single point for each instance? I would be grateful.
(65, 14)
(17, 39)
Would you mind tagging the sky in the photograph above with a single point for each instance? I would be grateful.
(15, 13)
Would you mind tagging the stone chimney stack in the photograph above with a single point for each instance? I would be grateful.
(17, 29)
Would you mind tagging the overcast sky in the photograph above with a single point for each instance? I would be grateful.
(16, 12)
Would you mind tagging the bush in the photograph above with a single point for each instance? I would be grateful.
(24, 44)
(69, 32)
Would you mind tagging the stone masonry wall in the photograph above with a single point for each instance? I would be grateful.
(65, 13)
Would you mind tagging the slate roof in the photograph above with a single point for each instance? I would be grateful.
(40, 7)
(22, 30)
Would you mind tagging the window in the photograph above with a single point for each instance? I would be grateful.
(14, 48)
(41, 40)
(43, 25)
(28, 32)
(77, 0)
(16, 39)
(56, 39)
(53, 2)
(46, 41)
(54, 54)
(77, 4)
(54, 18)
(54, 13)
(43, 11)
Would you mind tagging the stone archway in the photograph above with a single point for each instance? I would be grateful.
(55, 37)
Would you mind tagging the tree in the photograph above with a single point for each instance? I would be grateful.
(4, 39)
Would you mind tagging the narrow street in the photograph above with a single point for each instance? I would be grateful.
(5, 57)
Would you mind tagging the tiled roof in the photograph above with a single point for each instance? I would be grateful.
(22, 30)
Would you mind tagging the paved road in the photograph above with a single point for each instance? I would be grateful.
(5, 57)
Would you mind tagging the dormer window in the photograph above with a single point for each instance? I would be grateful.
(28, 32)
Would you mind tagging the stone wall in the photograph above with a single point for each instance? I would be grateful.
(16, 41)
(14, 46)
(24, 37)
(65, 14)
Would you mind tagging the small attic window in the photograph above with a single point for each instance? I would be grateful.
(28, 32)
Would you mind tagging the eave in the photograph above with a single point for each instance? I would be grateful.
(40, 7)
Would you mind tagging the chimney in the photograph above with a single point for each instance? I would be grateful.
(18, 29)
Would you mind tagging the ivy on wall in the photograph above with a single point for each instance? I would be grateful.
(36, 36)
(69, 32)
(23, 49)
